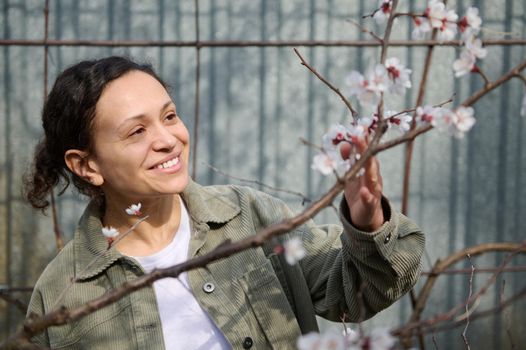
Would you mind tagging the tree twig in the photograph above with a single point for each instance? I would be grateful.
(326, 82)
(464, 333)
(304, 198)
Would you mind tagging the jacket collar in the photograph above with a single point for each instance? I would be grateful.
(205, 205)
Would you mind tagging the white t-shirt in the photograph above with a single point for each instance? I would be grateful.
(185, 324)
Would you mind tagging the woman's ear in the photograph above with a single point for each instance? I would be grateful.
(81, 164)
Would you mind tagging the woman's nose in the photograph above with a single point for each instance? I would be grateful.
(163, 139)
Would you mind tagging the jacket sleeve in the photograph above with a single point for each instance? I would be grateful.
(356, 273)
(36, 307)
(353, 273)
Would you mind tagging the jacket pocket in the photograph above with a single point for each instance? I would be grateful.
(104, 329)
(270, 306)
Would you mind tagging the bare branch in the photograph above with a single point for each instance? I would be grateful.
(16, 302)
(513, 248)
(326, 82)
(464, 336)
(304, 198)
(96, 258)
(514, 72)
(365, 30)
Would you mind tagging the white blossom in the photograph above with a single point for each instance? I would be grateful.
(110, 232)
(398, 76)
(464, 64)
(369, 87)
(317, 341)
(134, 209)
(474, 47)
(402, 121)
(422, 26)
(436, 12)
(462, 121)
(470, 23)
(443, 19)
(448, 30)
(381, 339)
(383, 12)
(429, 114)
(336, 134)
(329, 162)
(294, 250)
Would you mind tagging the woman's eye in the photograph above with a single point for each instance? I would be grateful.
(171, 117)
(137, 131)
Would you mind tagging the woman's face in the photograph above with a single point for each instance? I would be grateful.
(141, 144)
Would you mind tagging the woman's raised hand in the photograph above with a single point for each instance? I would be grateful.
(364, 193)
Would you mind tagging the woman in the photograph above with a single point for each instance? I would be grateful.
(112, 129)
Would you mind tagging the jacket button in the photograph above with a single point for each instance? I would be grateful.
(208, 287)
(247, 343)
(387, 238)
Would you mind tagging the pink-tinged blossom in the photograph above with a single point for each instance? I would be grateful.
(436, 12)
(463, 121)
(421, 27)
(383, 12)
(317, 341)
(474, 47)
(464, 64)
(336, 134)
(398, 76)
(470, 23)
(330, 162)
(362, 89)
(377, 78)
(448, 30)
(402, 121)
(134, 209)
(110, 233)
(442, 19)
(429, 114)
(381, 339)
(523, 108)
(357, 130)
(368, 88)
(294, 250)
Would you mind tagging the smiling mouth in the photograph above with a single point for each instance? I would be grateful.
(168, 164)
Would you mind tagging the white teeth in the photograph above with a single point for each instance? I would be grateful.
(168, 164)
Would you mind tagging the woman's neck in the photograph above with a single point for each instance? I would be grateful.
(151, 235)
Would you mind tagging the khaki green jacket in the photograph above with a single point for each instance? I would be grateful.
(254, 297)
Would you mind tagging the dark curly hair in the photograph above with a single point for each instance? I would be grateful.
(67, 119)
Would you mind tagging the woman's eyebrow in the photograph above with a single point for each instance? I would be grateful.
(142, 115)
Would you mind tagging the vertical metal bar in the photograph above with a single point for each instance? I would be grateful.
(111, 22)
(230, 71)
(58, 31)
(500, 205)
(454, 186)
(278, 111)
(161, 37)
(262, 97)
(178, 53)
(54, 214)
(211, 115)
(517, 313)
(404, 307)
(359, 50)
(8, 165)
(310, 100)
(127, 23)
(197, 78)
